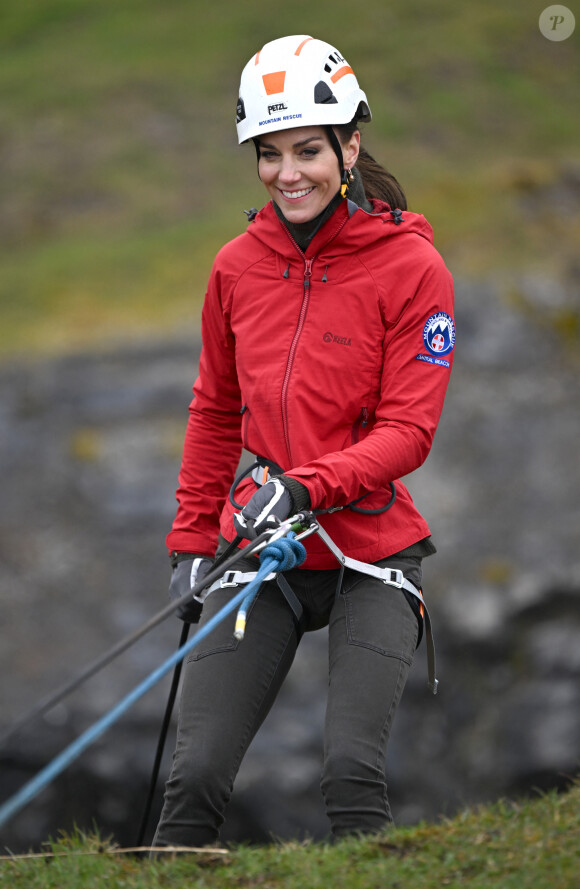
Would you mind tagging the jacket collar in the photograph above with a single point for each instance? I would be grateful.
(348, 229)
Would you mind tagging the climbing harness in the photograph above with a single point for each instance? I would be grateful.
(279, 547)
(389, 576)
(263, 470)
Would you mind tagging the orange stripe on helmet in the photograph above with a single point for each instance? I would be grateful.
(257, 57)
(346, 69)
(299, 50)
(274, 83)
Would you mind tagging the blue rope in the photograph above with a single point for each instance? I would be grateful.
(288, 553)
(274, 557)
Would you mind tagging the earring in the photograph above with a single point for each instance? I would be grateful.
(347, 178)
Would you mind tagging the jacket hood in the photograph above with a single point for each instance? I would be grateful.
(349, 227)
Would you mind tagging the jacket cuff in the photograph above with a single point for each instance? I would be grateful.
(298, 492)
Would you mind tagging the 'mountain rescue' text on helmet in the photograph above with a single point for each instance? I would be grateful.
(297, 82)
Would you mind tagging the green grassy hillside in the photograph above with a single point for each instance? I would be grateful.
(121, 175)
(529, 845)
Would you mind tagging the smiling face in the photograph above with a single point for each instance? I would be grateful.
(300, 169)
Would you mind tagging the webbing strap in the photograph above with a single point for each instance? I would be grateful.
(292, 599)
(235, 578)
(395, 578)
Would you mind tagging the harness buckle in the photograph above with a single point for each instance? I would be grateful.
(397, 578)
(228, 579)
(233, 578)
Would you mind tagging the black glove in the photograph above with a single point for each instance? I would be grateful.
(271, 504)
(188, 570)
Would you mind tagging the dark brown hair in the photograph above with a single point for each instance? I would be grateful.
(378, 182)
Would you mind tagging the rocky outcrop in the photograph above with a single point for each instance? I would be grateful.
(88, 465)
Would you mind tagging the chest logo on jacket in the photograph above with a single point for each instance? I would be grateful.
(329, 337)
(439, 338)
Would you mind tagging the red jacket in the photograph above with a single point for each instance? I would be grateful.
(333, 364)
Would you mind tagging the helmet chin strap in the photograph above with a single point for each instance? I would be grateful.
(345, 175)
(256, 142)
(336, 147)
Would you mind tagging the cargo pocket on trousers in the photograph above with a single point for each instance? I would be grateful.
(221, 640)
(199, 653)
(380, 619)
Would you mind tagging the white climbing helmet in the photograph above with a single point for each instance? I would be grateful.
(297, 81)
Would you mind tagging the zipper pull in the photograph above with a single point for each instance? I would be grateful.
(308, 267)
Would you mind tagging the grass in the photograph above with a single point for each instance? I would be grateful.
(122, 174)
(532, 844)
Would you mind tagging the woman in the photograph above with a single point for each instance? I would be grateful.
(327, 344)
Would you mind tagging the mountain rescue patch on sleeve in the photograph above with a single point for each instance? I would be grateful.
(439, 339)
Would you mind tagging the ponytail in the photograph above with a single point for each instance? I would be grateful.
(377, 182)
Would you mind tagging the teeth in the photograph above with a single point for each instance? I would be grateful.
(297, 194)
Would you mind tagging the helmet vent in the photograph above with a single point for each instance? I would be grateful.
(335, 59)
(323, 95)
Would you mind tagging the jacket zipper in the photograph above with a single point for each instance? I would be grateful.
(294, 345)
(308, 263)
